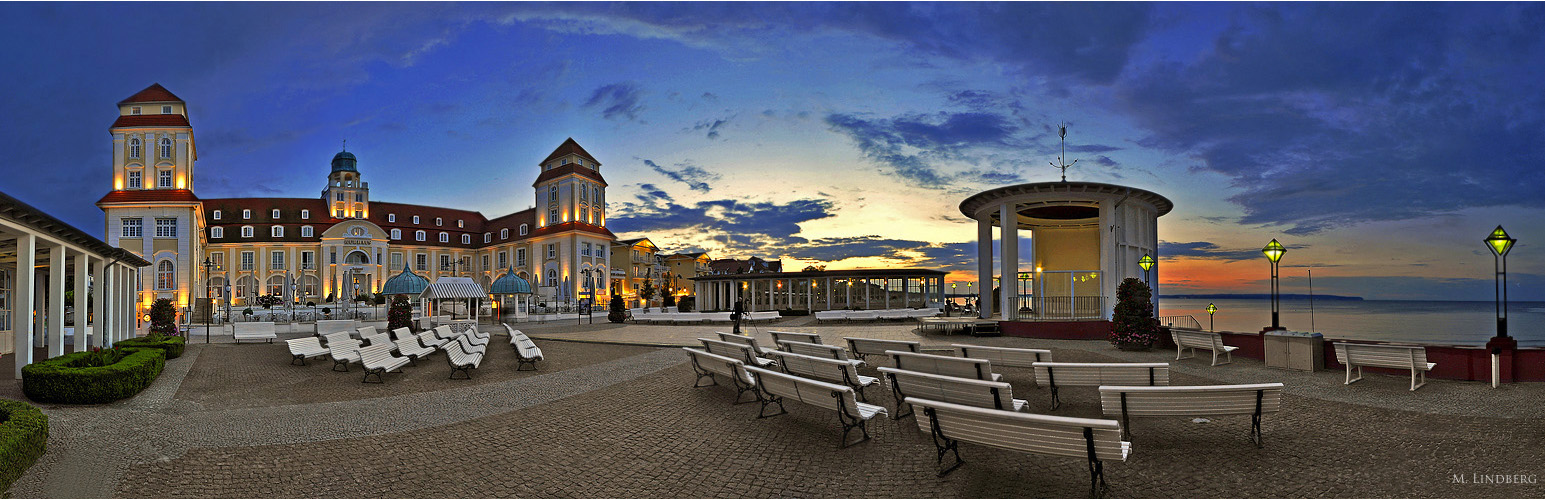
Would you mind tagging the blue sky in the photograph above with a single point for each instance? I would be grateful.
(1380, 142)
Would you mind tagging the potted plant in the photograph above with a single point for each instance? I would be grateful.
(1133, 326)
(616, 313)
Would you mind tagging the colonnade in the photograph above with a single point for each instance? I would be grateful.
(819, 293)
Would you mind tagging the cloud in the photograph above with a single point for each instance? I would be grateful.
(617, 101)
(692, 175)
(712, 126)
(1205, 250)
(910, 145)
(734, 220)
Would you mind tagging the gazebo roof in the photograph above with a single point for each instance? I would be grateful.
(453, 288)
(1063, 191)
(510, 284)
(405, 283)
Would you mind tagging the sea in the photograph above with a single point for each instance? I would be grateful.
(1431, 322)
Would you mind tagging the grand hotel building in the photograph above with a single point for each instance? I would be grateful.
(342, 242)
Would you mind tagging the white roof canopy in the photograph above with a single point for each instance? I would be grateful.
(453, 288)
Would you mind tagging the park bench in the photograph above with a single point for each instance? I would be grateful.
(1193, 340)
(763, 316)
(428, 339)
(716, 317)
(1004, 356)
(706, 365)
(461, 360)
(827, 369)
(1096, 440)
(979, 369)
(409, 346)
(819, 351)
(808, 338)
(862, 347)
(745, 339)
(830, 315)
(526, 351)
(306, 347)
(343, 349)
(685, 317)
(745, 353)
(1402, 357)
(863, 315)
(773, 387)
(326, 326)
(378, 359)
(253, 330)
(1202, 400)
(958, 390)
(1058, 375)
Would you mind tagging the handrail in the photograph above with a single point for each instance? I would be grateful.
(1182, 321)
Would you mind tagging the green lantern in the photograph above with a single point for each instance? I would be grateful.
(1274, 251)
(1499, 242)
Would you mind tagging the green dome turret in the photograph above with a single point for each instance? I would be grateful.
(344, 161)
(407, 283)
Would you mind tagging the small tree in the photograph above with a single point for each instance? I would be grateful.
(401, 313)
(668, 300)
(617, 313)
(1132, 322)
(269, 301)
(163, 318)
(646, 292)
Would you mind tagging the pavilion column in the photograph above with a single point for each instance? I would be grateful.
(129, 303)
(906, 292)
(99, 298)
(984, 265)
(56, 269)
(828, 294)
(80, 301)
(1010, 260)
(21, 319)
(107, 309)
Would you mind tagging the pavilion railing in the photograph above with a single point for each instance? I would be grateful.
(1183, 321)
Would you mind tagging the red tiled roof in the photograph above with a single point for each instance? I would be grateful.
(151, 121)
(511, 222)
(569, 147)
(154, 93)
(571, 168)
(148, 195)
(262, 211)
(448, 217)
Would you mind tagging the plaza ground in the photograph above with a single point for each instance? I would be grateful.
(612, 413)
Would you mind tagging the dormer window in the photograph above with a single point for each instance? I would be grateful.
(246, 231)
(418, 235)
(445, 237)
(504, 234)
(305, 214)
(275, 213)
(166, 110)
(415, 219)
(276, 231)
(396, 234)
(460, 224)
(466, 239)
(564, 162)
(134, 145)
(522, 229)
(134, 110)
(391, 217)
(217, 215)
(305, 231)
(217, 232)
(246, 213)
(437, 222)
(487, 237)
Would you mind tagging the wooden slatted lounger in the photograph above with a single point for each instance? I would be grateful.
(773, 387)
(1204, 400)
(1058, 375)
(958, 390)
(1092, 439)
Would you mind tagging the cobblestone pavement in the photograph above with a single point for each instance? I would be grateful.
(624, 421)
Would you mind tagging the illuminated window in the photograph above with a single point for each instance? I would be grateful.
(132, 228)
(134, 179)
(134, 147)
(166, 147)
(166, 276)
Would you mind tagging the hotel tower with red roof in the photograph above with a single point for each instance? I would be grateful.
(341, 242)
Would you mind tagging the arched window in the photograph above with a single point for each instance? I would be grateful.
(166, 147)
(415, 219)
(466, 239)
(552, 277)
(246, 231)
(166, 276)
(134, 147)
(437, 221)
(305, 214)
(504, 234)
(418, 235)
(396, 234)
(487, 237)
(444, 237)
(522, 229)
(217, 215)
(356, 257)
(391, 217)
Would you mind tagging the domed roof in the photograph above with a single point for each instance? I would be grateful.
(510, 283)
(406, 283)
(344, 162)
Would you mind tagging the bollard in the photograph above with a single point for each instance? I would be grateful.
(1496, 366)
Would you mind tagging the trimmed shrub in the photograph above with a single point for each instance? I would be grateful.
(23, 435)
(59, 380)
(401, 313)
(163, 317)
(1132, 322)
(686, 303)
(171, 346)
(617, 313)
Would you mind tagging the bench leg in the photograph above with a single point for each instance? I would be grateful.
(741, 388)
(850, 422)
(1097, 484)
(1055, 401)
(1350, 380)
(1414, 385)
(376, 372)
(344, 364)
(298, 357)
(1255, 431)
(900, 401)
(943, 445)
(767, 401)
(464, 371)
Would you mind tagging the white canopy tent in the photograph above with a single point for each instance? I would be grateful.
(454, 288)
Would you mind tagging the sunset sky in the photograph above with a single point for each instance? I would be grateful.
(1379, 142)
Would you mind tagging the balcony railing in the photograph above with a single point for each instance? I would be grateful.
(1184, 321)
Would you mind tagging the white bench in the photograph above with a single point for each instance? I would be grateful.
(763, 316)
(808, 338)
(773, 387)
(958, 390)
(863, 315)
(343, 349)
(378, 359)
(326, 326)
(745, 353)
(745, 339)
(706, 365)
(253, 330)
(819, 351)
(408, 346)
(1096, 440)
(1005, 356)
(862, 347)
(1402, 357)
(1193, 340)
(826, 369)
(686, 317)
(830, 315)
(305, 347)
(1057, 375)
(979, 369)
(1202, 400)
(526, 351)
(893, 314)
(461, 360)
(716, 317)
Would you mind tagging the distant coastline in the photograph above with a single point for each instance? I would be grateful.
(1285, 296)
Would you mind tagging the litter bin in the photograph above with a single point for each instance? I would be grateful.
(1302, 351)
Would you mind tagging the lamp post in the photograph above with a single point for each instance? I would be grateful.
(1147, 264)
(1211, 309)
(209, 305)
(952, 298)
(1499, 243)
(1274, 253)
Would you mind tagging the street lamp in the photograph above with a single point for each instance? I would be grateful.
(952, 298)
(209, 306)
(1211, 309)
(1499, 243)
(1274, 253)
(1147, 264)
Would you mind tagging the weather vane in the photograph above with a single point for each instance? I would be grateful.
(1062, 131)
(345, 144)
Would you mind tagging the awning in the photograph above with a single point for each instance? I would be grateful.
(453, 288)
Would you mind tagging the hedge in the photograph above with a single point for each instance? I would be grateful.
(54, 381)
(172, 346)
(23, 435)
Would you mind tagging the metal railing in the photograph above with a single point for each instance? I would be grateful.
(1183, 321)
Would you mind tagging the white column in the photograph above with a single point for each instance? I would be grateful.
(867, 286)
(56, 269)
(21, 319)
(1010, 259)
(984, 265)
(80, 301)
(750, 295)
(828, 294)
(906, 292)
(128, 303)
(99, 297)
